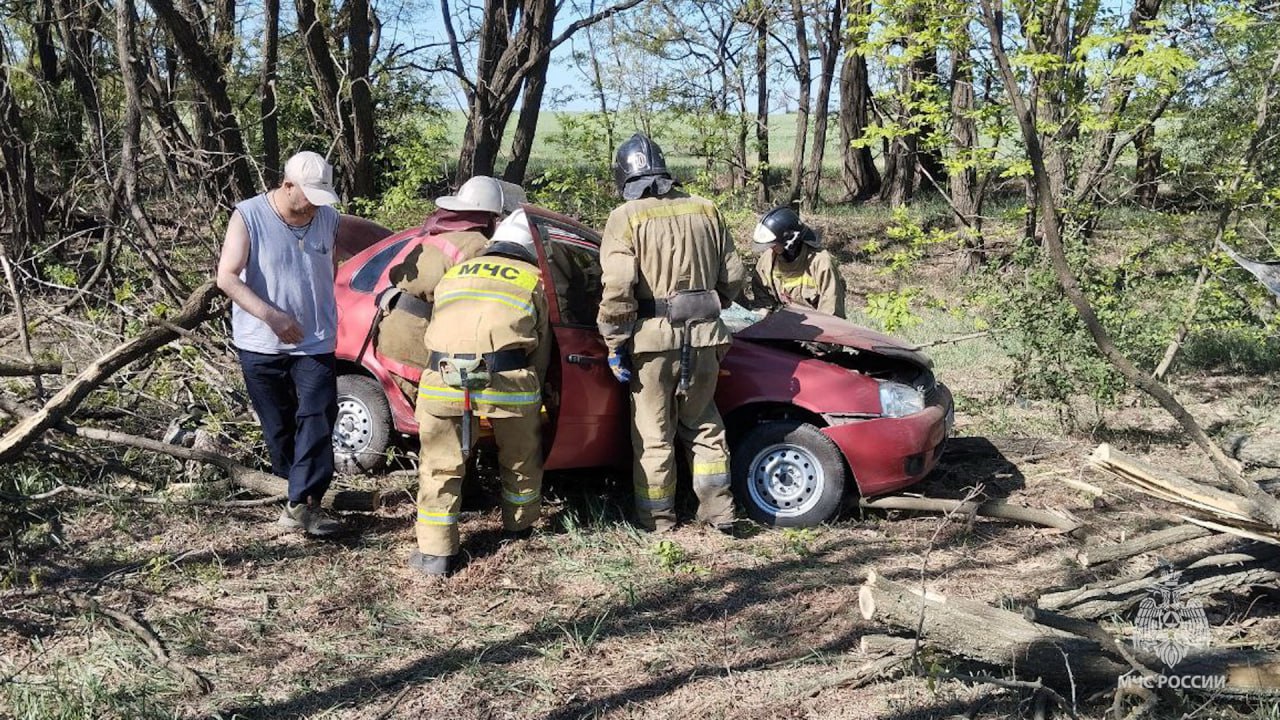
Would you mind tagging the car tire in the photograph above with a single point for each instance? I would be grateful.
(787, 473)
(362, 432)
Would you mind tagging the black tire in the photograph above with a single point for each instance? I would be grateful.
(362, 432)
(787, 473)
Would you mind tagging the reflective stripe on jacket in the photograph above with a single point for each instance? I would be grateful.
(812, 279)
(400, 333)
(485, 305)
(654, 247)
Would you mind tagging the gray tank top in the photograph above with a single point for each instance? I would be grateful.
(294, 274)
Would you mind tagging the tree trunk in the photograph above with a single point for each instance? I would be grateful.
(330, 106)
(209, 75)
(21, 216)
(861, 178)
(534, 86)
(271, 165)
(364, 135)
(803, 79)
(828, 50)
(1149, 167)
(762, 104)
(965, 203)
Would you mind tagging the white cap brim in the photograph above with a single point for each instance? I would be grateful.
(319, 194)
(457, 204)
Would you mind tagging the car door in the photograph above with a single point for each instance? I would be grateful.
(588, 408)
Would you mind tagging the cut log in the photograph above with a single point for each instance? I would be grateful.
(247, 478)
(1101, 554)
(1261, 450)
(997, 509)
(977, 631)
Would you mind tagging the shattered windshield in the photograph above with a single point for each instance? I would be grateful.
(738, 318)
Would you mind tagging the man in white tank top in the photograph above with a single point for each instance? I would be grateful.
(277, 267)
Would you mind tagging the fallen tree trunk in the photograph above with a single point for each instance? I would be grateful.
(1102, 554)
(247, 478)
(980, 632)
(997, 509)
(194, 311)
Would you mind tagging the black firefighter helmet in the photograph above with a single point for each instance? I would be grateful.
(638, 157)
(782, 226)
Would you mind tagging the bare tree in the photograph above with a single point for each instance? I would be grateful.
(512, 50)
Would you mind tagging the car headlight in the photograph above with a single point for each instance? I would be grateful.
(898, 400)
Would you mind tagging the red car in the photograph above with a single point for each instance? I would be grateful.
(815, 407)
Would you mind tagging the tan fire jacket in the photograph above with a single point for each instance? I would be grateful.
(811, 279)
(654, 247)
(400, 333)
(485, 305)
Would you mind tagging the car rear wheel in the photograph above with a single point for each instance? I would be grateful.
(787, 473)
(362, 431)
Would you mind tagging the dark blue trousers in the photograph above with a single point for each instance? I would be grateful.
(296, 399)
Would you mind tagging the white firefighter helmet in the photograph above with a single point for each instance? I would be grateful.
(481, 193)
(513, 238)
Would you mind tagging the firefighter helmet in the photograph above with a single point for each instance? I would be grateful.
(638, 157)
(513, 239)
(481, 193)
(782, 226)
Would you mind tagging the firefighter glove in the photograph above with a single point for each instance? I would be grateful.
(620, 365)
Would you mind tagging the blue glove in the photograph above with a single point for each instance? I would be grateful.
(620, 365)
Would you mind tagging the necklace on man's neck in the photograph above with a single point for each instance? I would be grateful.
(299, 232)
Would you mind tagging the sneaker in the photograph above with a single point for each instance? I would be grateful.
(310, 520)
(429, 565)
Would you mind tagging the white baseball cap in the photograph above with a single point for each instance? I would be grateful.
(481, 193)
(314, 175)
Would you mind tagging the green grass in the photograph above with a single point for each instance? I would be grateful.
(676, 143)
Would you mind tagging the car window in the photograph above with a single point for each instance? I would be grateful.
(366, 278)
(573, 256)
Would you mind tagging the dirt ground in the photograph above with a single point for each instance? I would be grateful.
(590, 618)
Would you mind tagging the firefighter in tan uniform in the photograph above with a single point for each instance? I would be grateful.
(792, 267)
(668, 267)
(458, 230)
(490, 322)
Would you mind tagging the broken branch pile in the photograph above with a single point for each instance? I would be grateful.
(1232, 513)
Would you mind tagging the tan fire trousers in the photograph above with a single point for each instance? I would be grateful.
(441, 467)
(659, 419)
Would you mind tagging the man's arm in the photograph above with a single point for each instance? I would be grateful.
(235, 255)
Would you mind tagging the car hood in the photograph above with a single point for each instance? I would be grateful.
(800, 324)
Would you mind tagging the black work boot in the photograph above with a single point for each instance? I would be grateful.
(514, 535)
(429, 565)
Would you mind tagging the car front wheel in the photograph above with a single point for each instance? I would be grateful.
(362, 431)
(787, 473)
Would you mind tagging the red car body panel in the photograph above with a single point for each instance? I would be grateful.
(589, 412)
